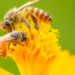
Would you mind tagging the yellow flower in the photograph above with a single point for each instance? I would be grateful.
(42, 54)
(63, 64)
(3, 72)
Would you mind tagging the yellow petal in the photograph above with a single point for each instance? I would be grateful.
(63, 64)
(4, 72)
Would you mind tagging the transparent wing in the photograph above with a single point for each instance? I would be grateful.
(7, 38)
(25, 5)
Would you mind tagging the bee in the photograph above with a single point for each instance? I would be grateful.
(14, 37)
(16, 16)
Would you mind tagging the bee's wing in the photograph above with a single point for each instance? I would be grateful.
(25, 5)
(7, 38)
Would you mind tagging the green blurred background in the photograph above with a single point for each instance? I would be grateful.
(63, 14)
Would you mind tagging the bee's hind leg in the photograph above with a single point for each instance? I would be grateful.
(34, 20)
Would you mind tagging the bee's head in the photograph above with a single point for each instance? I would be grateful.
(6, 26)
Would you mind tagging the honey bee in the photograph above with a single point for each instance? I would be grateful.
(15, 38)
(15, 16)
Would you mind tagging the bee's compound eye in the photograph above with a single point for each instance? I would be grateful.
(7, 23)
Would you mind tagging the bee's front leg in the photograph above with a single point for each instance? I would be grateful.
(13, 24)
(25, 21)
(9, 45)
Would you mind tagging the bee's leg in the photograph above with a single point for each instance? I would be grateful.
(9, 45)
(14, 27)
(25, 21)
(13, 24)
(14, 44)
(34, 20)
(17, 43)
(20, 43)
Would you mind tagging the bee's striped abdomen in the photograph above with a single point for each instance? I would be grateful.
(39, 14)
